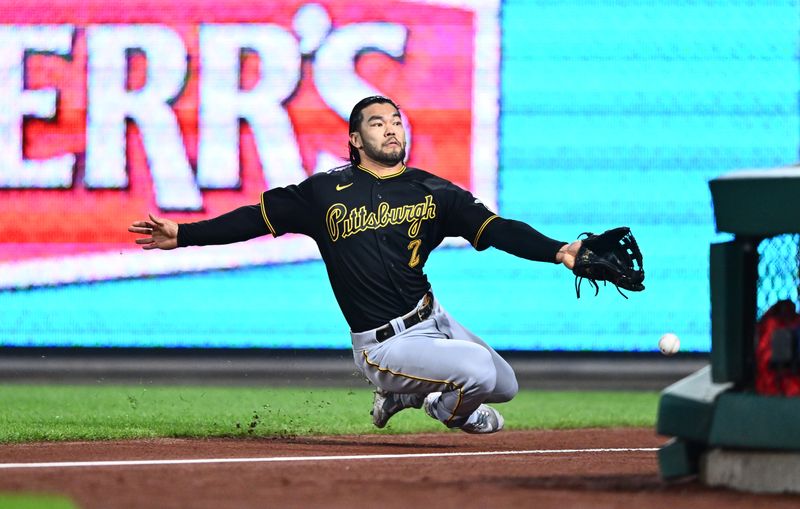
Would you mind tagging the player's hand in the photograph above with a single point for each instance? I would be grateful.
(567, 254)
(163, 233)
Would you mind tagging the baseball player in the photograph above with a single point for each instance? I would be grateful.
(375, 222)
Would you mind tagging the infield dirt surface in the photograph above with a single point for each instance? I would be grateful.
(561, 480)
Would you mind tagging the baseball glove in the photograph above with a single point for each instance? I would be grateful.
(612, 256)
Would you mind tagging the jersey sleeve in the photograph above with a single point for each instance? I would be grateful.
(288, 209)
(466, 216)
(520, 239)
(237, 225)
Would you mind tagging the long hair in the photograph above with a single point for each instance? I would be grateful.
(356, 116)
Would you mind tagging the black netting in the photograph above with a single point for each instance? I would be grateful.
(778, 265)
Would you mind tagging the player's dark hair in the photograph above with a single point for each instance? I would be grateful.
(356, 116)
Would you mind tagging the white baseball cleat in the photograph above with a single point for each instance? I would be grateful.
(386, 404)
(484, 420)
(430, 402)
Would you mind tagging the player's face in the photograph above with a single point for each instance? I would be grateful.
(381, 137)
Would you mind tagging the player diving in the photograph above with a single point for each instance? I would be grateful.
(375, 222)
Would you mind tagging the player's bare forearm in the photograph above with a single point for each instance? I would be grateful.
(161, 233)
(566, 255)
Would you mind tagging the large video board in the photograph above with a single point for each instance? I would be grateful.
(568, 115)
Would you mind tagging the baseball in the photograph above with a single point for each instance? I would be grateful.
(669, 344)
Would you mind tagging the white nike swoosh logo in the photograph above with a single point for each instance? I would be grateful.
(339, 187)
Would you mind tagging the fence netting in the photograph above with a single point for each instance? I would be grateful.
(778, 267)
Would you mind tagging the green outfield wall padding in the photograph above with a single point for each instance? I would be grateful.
(684, 417)
(758, 203)
(751, 421)
(679, 458)
(733, 271)
(686, 408)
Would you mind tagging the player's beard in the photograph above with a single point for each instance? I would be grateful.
(387, 157)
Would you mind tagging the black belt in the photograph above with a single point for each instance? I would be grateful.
(410, 320)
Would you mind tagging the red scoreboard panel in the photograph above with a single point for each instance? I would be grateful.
(193, 108)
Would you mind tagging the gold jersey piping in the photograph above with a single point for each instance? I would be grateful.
(483, 227)
(364, 168)
(264, 215)
(439, 382)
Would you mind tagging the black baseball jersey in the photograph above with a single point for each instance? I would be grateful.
(375, 233)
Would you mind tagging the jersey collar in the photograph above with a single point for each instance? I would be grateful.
(400, 171)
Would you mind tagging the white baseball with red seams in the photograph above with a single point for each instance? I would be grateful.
(669, 344)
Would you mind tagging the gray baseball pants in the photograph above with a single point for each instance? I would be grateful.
(437, 354)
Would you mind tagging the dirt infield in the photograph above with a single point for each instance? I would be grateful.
(555, 471)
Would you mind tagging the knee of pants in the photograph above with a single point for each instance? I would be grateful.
(505, 390)
(481, 375)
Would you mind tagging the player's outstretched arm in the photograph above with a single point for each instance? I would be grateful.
(162, 233)
(238, 225)
(520, 239)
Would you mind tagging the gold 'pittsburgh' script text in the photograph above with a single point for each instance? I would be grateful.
(343, 223)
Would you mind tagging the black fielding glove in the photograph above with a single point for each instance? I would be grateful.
(612, 256)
